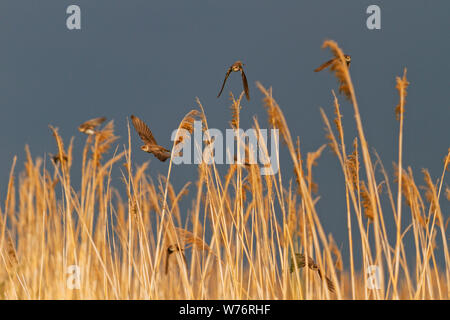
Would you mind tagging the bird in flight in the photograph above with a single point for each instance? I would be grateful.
(347, 58)
(89, 126)
(237, 66)
(150, 144)
(171, 249)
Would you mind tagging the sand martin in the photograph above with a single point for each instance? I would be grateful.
(237, 66)
(56, 158)
(348, 59)
(150, 146)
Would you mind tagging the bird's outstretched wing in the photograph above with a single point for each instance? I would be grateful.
(325, 65)
(171, 249)
(245, 84)
(225, 80)
(143, 130)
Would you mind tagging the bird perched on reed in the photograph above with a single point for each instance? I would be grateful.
(348, 59)
(89, 126)
(150, 144)
(236, 67)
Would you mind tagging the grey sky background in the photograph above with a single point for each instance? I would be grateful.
(153, 58)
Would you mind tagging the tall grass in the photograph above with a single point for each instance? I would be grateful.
(246, 236)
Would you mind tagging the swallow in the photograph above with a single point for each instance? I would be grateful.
(237, 66)
(347, 58)
(150, 144)
(171, 249)
(89, 126)
(245, 162)
(56, 158)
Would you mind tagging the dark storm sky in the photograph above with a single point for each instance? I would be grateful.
(152, 58)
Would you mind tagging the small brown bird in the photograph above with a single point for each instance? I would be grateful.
(237, 66)
(348, 59)
(89, 126)
(171, 249)
(56, 158)
(150, 146)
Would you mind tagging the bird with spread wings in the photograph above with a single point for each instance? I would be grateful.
(150, 144)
